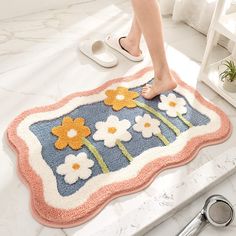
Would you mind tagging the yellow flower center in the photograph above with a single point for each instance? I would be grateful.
(76, 166)
(172, 104)
(112, 130)
(71, 133)
(147, 125)
(120, 97)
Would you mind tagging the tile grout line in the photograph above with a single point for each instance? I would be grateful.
(64, 232)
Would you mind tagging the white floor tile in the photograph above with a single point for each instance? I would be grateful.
(51, 232)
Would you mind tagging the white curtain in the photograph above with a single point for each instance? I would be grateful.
(196, 13)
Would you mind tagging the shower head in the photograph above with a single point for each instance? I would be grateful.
(217, 211)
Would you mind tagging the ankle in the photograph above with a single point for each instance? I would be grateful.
(131, 46)
(131, 43)
(162, 72)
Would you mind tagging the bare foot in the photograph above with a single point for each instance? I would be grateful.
(165, 83)
(130, 47)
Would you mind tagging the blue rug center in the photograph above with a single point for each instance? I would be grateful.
(113, 157)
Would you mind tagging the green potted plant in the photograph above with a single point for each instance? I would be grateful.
(228, 76)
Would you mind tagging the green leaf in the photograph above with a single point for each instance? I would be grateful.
(230, 71)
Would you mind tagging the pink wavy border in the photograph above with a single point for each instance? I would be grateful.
(55, 217)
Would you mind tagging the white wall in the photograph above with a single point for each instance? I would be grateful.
(13, 8)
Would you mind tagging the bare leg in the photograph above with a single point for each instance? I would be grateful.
(149, 19)
(132, 40)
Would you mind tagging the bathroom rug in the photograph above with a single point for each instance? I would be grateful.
(78, 154)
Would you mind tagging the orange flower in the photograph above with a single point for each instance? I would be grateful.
(71, 133)
(120, 98)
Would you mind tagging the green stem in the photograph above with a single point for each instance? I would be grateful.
(158, 115)
(96, 155)
(185, 121)
(124, 150)
(163, 138)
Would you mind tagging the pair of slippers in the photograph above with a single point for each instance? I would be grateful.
(97, 51)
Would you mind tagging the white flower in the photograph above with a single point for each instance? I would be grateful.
(147, 125)
(112, 130)
(75, 167)
(172, 105)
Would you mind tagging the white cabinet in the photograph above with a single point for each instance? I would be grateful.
(221, 24)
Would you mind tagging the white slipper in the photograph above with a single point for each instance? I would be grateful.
(97, 51)
(114, 42)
